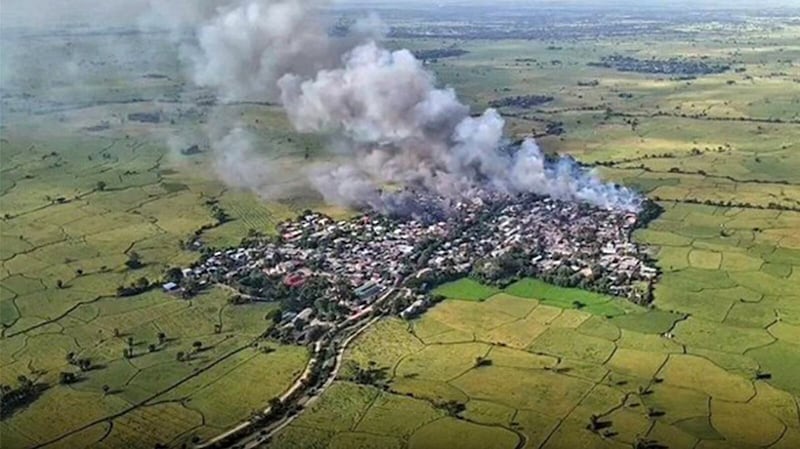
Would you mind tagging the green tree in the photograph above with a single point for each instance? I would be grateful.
(66, 378)
(482, 361)
(134, 260)
(275, 405)
(142, 283)
(174, 274)
(85, 364)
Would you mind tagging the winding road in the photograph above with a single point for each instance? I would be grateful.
(250, 435)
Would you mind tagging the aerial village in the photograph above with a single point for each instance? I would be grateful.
(325, 272)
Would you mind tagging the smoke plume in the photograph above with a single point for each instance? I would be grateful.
(384, 113)
(397, 126)
(244, 50)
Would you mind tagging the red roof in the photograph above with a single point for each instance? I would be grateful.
(294, 279)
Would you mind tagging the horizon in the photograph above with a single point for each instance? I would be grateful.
(26, 14)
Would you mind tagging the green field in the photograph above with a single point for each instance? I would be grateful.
(682, 374)
(65, 241)
(76, 203)
(550, 369)
(465, 289)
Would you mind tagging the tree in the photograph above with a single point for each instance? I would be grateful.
(257, 416)
(142, 283)
(24, 381)
(106, 389)
(180, 356)
(275, 405)
(453, 408)
(593, 423)
(641, 443)
(197, 345)
(101, 185)
(274, 315)
(66, 378)
(60, 283)
(130, 341)
(162, 337)
(134, 260)
(127, 353)
(85, 364)
(174, 274)
(116, 332)
(189, 286)
(220, 215)
(151, 347)
(654, 413)
(482, 361)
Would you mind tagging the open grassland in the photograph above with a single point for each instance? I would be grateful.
(716, 362)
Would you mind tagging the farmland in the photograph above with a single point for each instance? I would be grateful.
(532, 373)
(77, 205)
(713, 364)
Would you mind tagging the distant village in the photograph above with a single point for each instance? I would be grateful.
(672, 66)
(325, 272)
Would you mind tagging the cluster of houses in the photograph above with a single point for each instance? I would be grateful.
(672, 66)
(372, 254)
(568, 239)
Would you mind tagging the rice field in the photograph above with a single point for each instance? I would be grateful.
(714, 362)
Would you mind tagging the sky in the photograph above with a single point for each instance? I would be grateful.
(115, 12)
(711, 4)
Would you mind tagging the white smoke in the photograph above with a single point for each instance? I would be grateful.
(244, 50)
(396, 124)
(346, 185)
(239, 164)
(377, 96)
(383, 109)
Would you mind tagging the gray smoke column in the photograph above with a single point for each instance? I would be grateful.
(384, 108)
(239, 164)
(404, 129)
(249, 45)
